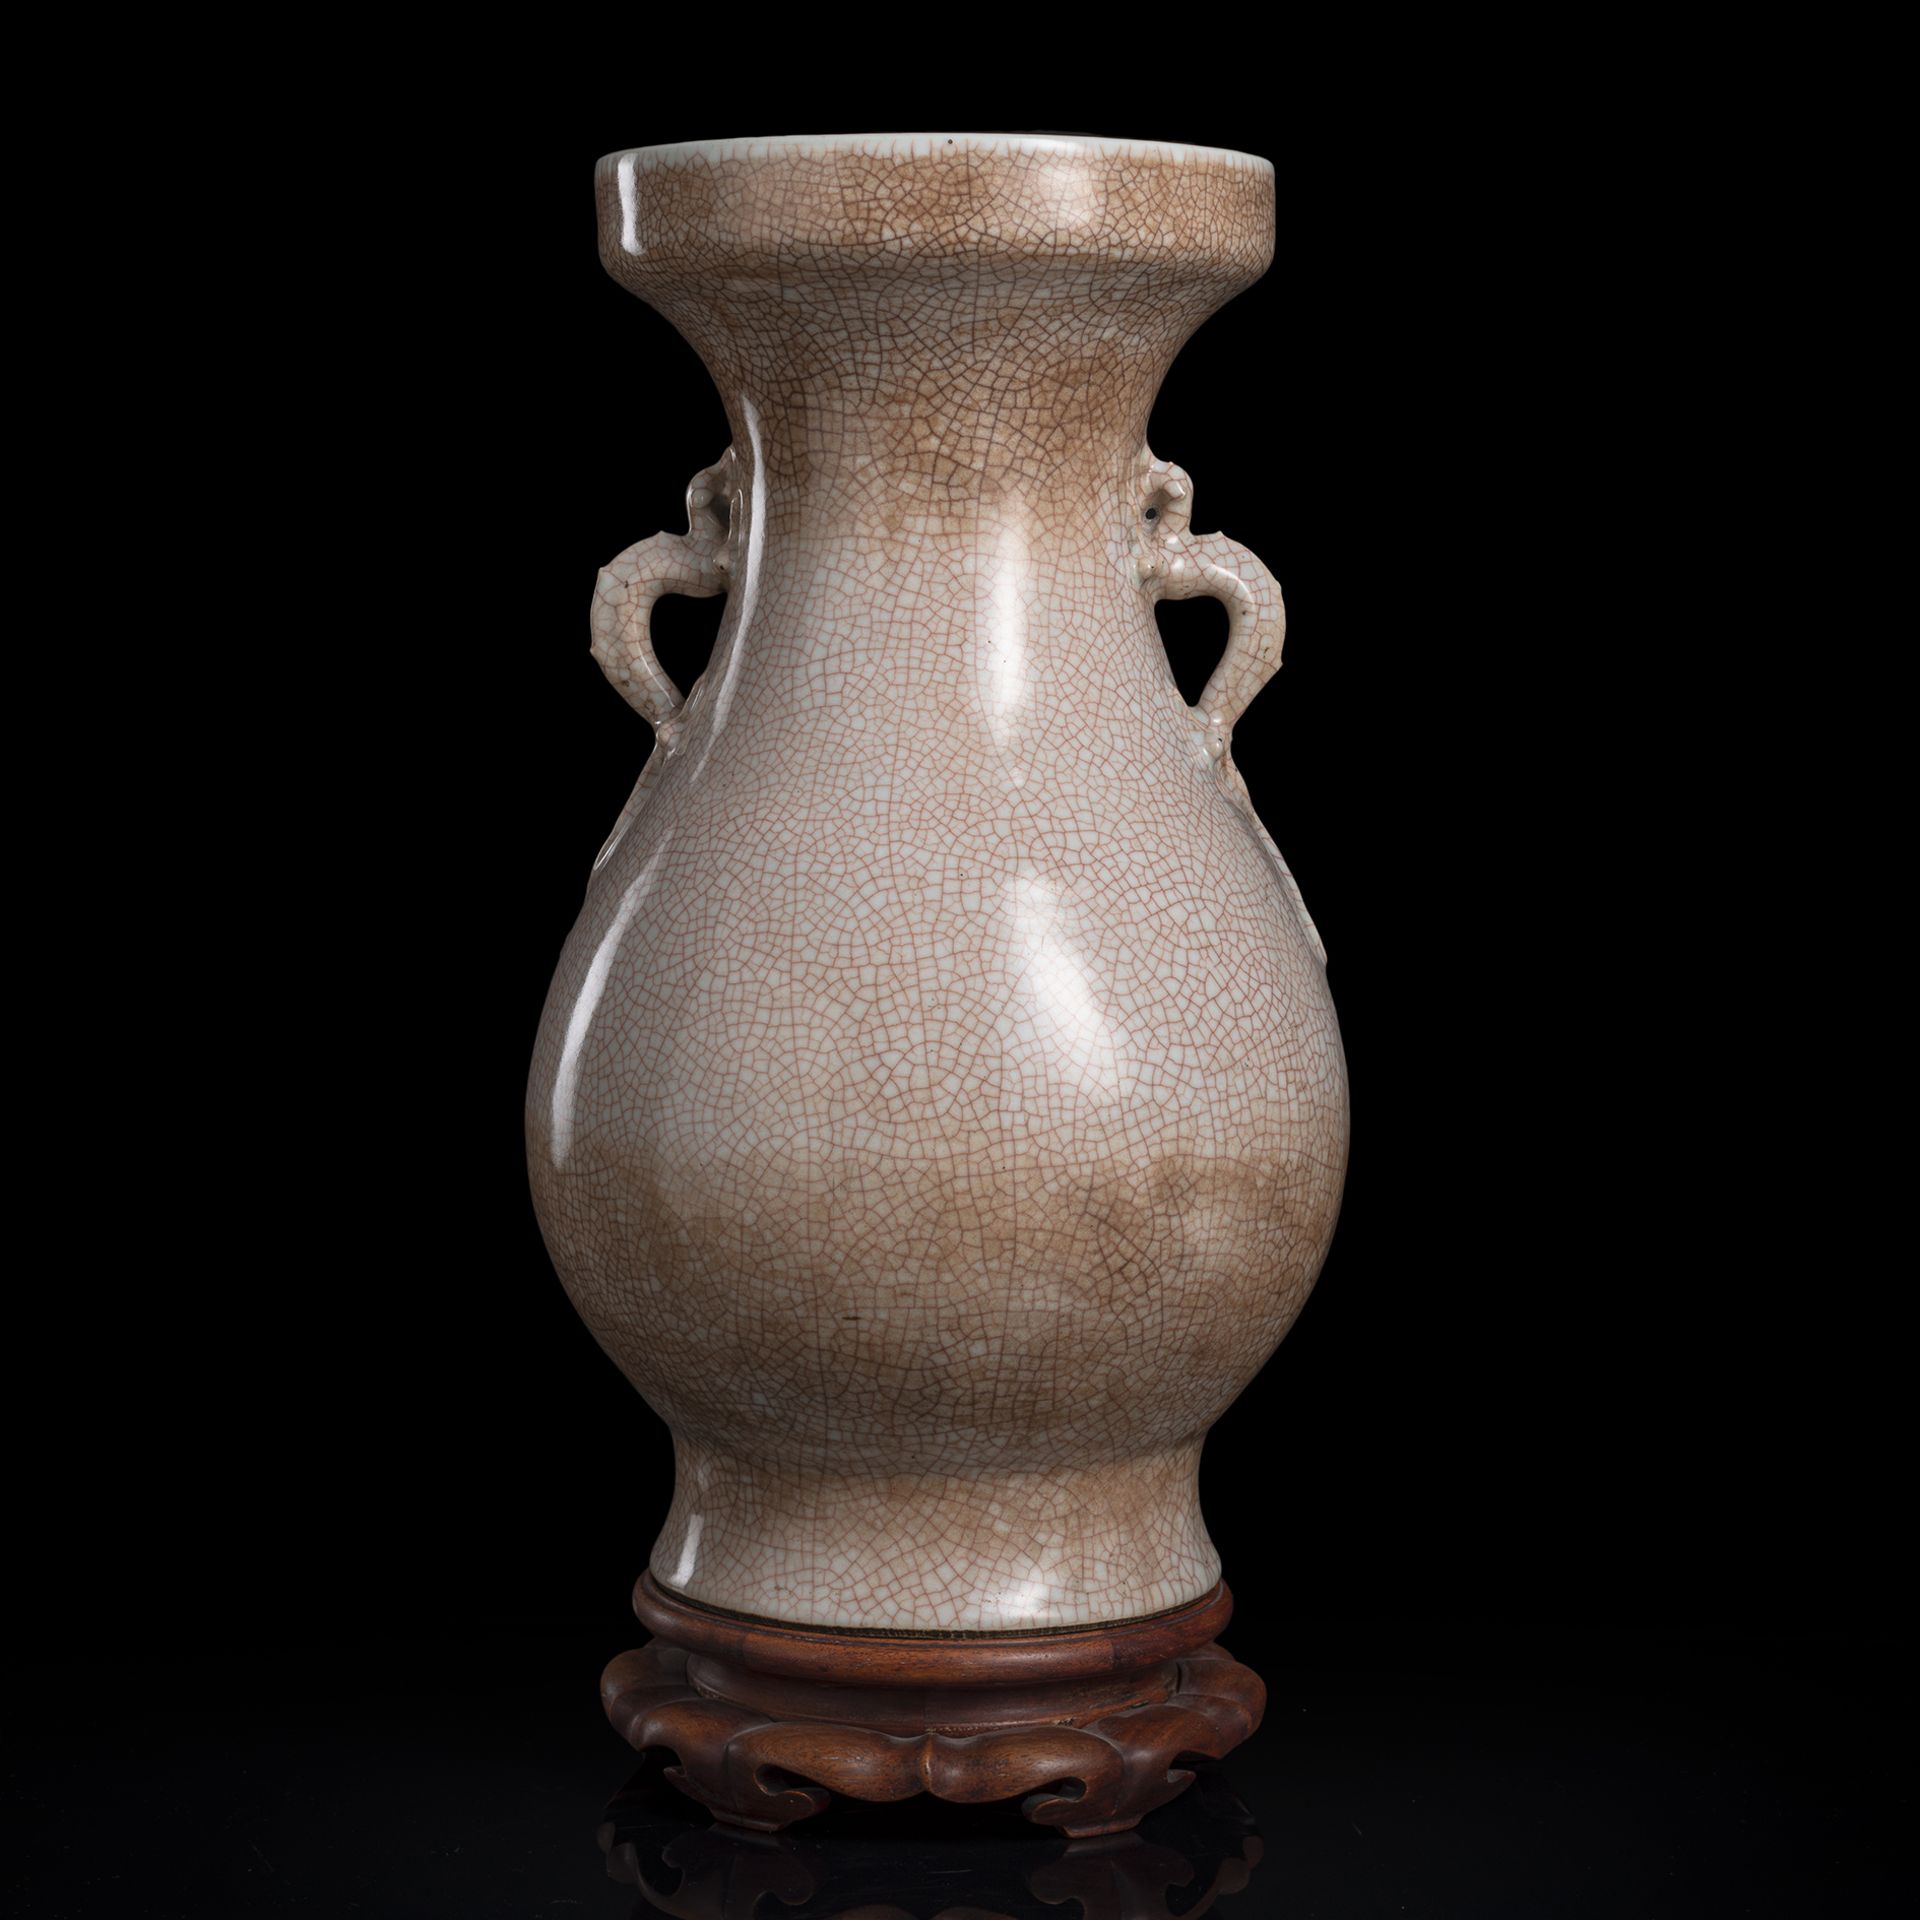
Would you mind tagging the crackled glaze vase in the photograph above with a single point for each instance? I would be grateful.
(939, 1112)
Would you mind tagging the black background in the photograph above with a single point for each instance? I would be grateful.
(1568, 1502)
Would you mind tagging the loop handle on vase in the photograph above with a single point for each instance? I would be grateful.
(1175, 564)
(696, 563)
(1172, 563)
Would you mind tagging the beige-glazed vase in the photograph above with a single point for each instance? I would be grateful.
(939, 1112)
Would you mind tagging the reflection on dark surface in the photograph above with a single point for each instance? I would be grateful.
(920, 1861)
(1418, 1774)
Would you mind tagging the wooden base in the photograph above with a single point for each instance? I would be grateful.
(1085, 1727)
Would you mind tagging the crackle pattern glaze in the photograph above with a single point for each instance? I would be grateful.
(939, 1112)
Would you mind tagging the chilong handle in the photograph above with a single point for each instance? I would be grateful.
(696, 563)
(1175, 564)
(1172, 563)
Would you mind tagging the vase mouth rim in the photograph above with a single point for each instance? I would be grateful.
(925, 146)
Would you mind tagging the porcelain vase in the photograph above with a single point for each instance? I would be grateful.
(939, 1111)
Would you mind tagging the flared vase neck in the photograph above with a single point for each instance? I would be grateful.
(935, 322)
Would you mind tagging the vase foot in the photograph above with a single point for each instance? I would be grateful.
(1086, 1728)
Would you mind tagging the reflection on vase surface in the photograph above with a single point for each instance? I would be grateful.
(892, 1864)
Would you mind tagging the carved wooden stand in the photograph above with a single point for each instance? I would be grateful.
(1088, 1725)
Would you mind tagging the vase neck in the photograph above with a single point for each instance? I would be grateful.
(915, 331)
(886, 404)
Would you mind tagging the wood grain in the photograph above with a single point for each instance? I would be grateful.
(1087, 1748)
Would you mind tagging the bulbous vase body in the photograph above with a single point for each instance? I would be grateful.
(939, 1112)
